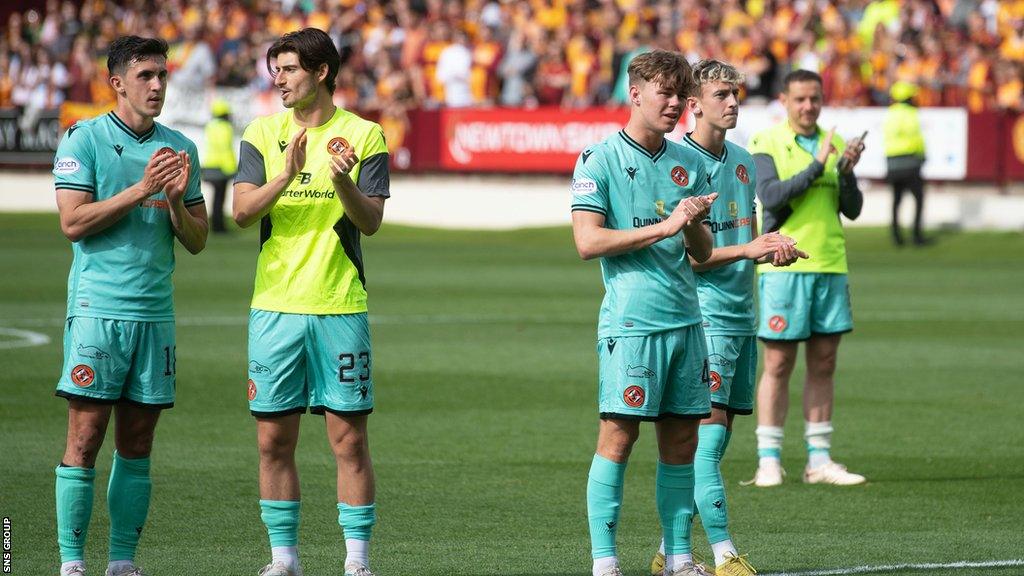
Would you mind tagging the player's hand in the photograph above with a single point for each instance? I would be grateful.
(787, 254)
(161, 169)
(825, 147)
(688, 212)
(763, 248)
(295, 154)
(852, 155)
(175, 189)
(342, 164)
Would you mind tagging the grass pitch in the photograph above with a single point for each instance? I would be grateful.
(485, 421)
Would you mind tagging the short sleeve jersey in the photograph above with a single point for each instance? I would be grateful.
(727, 292)
(124, 271)
(652, 289)
(310, 261)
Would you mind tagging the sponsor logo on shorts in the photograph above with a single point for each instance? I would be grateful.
(716, 381)
(66, 165)
(777, 323)
(639, 371)
(680, 176)
(742, 175)
(83, 376)
(252, 390)
(634, 396)
(257, 368)
(583, 186)
(611, 345)
(92, 352)
(337, 145)
(363, 391)
(719, 360)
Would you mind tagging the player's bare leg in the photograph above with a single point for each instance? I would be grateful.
(277, 439)
(819, 396)
(356, 491)
(87, 425)
(674, 492)
(615, 439)
(772, 406)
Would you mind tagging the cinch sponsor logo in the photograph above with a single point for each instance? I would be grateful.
(309, 193)
(583, 186)
(66, 166)
(641, 222)
(729, 224)
(161, 204)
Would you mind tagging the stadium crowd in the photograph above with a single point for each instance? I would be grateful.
(572, 53)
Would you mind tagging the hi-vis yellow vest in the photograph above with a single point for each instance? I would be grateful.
(814, 223)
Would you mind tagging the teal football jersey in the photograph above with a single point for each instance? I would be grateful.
(727, 292)
(124, 271)
(652, 289)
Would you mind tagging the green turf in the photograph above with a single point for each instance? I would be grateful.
(485, 421)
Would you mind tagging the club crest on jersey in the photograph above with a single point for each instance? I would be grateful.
(634, 396)
(83, 376)
(716, 381)
(777, 323)
(252, 390)
(337, 145)
(659, 208)
(742, 175)
(680, 176)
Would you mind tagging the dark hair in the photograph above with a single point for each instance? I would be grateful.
(128, 49)
(800, 76)
(670, 69)
(314, 48)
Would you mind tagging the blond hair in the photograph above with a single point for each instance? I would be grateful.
(707, 71)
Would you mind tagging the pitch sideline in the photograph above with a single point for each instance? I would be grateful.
(881, 569)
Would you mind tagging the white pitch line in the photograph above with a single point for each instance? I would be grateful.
(25, 338)
(897, 567)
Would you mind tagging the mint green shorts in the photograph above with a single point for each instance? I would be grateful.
(111, 361)
(733, 370)
(797, 305)
(655, 376)
(300, 361)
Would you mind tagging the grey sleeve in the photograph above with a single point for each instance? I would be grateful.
(851, 199)
(775, 194)
(251, 168)
(374, 176)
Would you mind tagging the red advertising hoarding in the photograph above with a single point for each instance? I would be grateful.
(513, 140)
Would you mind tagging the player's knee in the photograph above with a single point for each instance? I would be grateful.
(822, 366)
(779, 367)
(616, 445)
(136, 443)
(273, 447)
(353, 445)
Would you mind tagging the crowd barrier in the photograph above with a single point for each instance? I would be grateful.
(985, 147)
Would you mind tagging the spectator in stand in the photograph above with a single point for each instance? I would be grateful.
(487, 54)
(454, 66)
(553, 77)
(879, 41)
(516, 71)
(81, 70)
